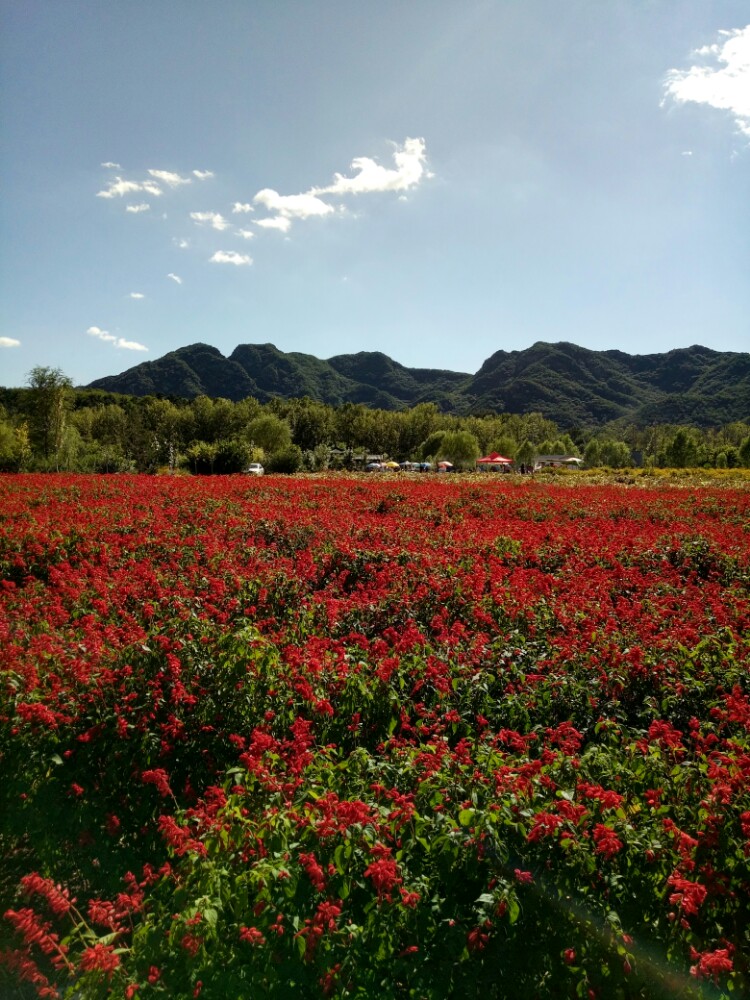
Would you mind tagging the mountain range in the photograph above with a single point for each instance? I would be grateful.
(571, 385)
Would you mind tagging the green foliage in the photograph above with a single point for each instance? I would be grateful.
(570, 385)
(461, 448)
(50, 402)
(98, 431)
(682, 451)
(614, 454)
(432, 447)
(287, 460)
(592, 455)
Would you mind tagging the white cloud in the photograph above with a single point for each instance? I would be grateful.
(137, 295)
(109, 165)
(246, 234)
(109, 338)
(170, 179)
(175, 277)
(129, 345)
(105, 335)
(240, 206)
(203, 175)
(293, 206)
(118, 187)
(9, 342)
(137, 209)
(183, 244)
(410, 169)
(231, 257)
(213, 219)
(722, 81)
(280, 223)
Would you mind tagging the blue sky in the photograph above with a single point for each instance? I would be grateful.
(432, 179)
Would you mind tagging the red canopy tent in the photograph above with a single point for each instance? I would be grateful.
(494, 459)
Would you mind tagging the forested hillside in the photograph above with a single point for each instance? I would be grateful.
(570, 385)
(52, 426)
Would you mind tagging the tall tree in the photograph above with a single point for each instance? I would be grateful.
(51, 399)
(461, 448)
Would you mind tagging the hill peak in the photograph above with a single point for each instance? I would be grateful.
(572, 385)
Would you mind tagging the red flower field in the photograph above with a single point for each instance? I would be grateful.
(348, 737)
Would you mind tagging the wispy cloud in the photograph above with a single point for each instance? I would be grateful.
(155, 184)
(170, 179)
(130, 345)
(370, 176)
(280, 223)
(278, 211)
(105, 335)
(231, 257)
(720, 80)
(212, 219)
(109, 338)
(293, 206)
(9, 342)
(119, 187)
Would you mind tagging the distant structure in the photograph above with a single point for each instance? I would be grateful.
(557, 462)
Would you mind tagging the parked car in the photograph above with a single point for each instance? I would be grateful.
(255, 469)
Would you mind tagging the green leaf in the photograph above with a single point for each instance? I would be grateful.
(338, 858)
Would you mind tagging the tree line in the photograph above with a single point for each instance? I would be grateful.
(50, 426)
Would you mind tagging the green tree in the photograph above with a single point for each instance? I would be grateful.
(288, 460)
(432, 447)
(615, 454)
(232, 455)
(381, 433)
(525, 454)
(592, 455)
(312, 424)
(9, 456)
(200, 456)
(269, 432)
(416, 426)
(351, 425)
(732, 456)
(50, 402)
(461, 448)
(504, 445)
(682, 450)
(207, 419)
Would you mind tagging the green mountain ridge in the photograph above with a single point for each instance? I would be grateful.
(572, 385)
